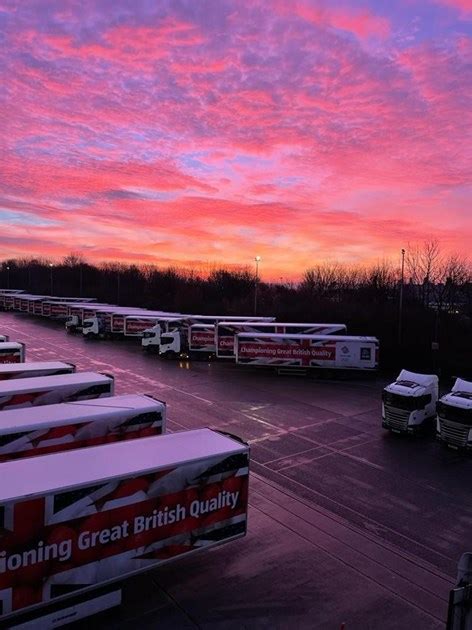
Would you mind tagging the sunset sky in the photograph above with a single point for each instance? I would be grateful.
(203, 132)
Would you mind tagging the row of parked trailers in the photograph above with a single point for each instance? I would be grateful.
(93, 491)
(255, 341)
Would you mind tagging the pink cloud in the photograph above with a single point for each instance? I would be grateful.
(181, 138)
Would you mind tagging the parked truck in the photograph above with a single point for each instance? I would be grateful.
(454, 416)
(76, 313)
(99, 325)
(48, 390)
(12, 352)
(192, 342)
(66, 426)
(302, 352)
(409, 403)
(226, 331)
(137, 325)
(35, 368)
(74, 521)
(152, 336)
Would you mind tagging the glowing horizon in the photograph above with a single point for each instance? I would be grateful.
(205, 133)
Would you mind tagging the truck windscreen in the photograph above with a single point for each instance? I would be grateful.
(454, 414)
(407, 403)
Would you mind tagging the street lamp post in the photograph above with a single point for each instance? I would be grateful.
(400, 306)
(8, 277)
(257, 260)
(51, 267)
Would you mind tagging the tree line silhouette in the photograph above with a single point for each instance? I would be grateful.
(436, 314)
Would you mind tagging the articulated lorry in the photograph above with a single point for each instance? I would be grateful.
(152, 336)
(12, 352)
(226, 331)
(109, 322)
(191, 342)
(137, 325)
(78, 520)
(49, 390)
(454, 419)
(66, 426)
(409, 403)
(303, 352)
(76, 313)
(35, 368)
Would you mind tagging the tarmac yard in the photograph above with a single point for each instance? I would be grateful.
(347, 522)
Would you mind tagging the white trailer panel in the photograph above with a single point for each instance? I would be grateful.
(66, 426)
(48, 390)
(34, 368)
(225, 332)
(201, 338)
(307, 351)
(73, 521)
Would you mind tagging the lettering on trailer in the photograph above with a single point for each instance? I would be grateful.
(202, 339)
(10, 357)
(303, 351)
(226, 342)
(59, 309)
(89, 535)
(138, 325)
(117, 323)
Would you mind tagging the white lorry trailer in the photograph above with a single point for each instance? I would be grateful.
(34, 368)
(66, 426)
(118, 320)
(73, 521)
(226, 331)
(454, 416)
(12, 352)
(100, 324)
(48, 390)
(152, 336)
(409, 403)
(303, 352)
(136, 325)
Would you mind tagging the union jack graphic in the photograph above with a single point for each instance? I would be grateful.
(68, 517)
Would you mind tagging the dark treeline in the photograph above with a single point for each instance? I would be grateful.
(437, 299)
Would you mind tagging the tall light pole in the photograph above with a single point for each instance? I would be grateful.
(400, 306)
(51, 267)
(257, 260)
(8, 277)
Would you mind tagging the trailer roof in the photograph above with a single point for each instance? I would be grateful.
(275, 323)
(61, 471)
(11, 345)
(40, 382)
(31, 418)
(301, 337)
(9, 368)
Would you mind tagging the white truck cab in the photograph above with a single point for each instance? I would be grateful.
(93, 327)
(174, 344)
(409, 403)
(454, 419)
(151, 339)
(73, 324)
